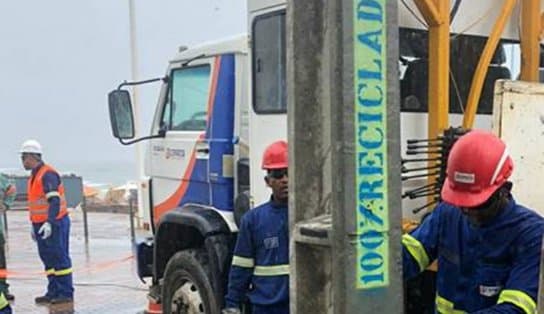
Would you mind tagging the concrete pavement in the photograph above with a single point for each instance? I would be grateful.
(104, 270)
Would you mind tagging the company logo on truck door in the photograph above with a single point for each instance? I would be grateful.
(173, 153)
(371, 150)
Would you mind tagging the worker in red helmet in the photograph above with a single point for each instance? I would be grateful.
(260, 265)
(487, 245)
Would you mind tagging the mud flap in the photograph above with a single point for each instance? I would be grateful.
(143, 251)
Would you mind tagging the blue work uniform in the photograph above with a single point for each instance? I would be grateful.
(492, 268)
(260, 265)
(54, 251)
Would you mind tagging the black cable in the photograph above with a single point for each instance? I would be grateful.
(454, 10)
(107, 284)
(88, 284)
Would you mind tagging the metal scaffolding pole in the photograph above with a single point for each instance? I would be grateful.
(343, 109)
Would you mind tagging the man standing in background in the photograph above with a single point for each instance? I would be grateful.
(50, 224)
(7, 196)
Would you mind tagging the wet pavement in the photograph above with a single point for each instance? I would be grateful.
(105, 278)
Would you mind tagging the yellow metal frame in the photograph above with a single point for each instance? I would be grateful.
(430, 12)
(483, 64)
(437, 16)
(530, 40)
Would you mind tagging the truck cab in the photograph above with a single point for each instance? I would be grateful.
(196, 162)
(202, 111)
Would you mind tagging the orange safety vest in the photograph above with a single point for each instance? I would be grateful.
(38, 207)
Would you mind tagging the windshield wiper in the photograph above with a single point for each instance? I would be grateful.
(193, 59)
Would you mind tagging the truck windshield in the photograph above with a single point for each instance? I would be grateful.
(186, 109)
(268, 36)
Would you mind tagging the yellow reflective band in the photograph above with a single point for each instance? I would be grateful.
(3, 301)
(243, 262)
(63, 272)
(52, 194)
(444, 306)
(38, 202)
(38, 212)
(415, 248)
(519, 299)
(50, 271)
(276, 270)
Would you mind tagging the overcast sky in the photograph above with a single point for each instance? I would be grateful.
(60, 58)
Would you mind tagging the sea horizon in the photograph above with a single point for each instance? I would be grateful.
(114, 173)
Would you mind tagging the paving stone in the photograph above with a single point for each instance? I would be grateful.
(104, 270)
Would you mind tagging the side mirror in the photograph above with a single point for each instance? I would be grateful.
(121, 116)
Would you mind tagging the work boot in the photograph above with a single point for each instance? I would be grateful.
(62, 300)
(42, 300)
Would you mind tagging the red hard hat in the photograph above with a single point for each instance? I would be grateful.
(275, 156)
(478, 165)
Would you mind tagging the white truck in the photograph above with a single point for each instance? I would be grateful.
(220, 104)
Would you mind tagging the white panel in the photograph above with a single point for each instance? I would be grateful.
(264, 129)
(259, 5)
(519, 121)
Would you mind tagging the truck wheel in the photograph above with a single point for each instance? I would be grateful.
(186, 285)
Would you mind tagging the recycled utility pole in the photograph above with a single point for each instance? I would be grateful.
(344, 141)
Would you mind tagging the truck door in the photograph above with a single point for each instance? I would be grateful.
(193, 162)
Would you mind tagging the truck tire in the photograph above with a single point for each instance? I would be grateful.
(186, 285)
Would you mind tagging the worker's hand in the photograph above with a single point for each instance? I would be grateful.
(231, 310)
(32, 234)
(11, 190)
(45, 230)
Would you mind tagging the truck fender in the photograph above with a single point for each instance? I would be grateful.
(191, 226)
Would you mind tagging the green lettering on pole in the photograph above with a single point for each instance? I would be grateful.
(370, 87)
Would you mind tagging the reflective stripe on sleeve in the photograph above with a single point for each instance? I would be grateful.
(52, 194)
(275, 270)
(243, 261)
(50, 271)
(416, 249)
(444, 306)
(62, 272)
(519, 299)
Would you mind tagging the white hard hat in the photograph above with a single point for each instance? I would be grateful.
(32, 147)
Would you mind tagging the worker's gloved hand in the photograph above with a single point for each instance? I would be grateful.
(45, 230)
(231, 310)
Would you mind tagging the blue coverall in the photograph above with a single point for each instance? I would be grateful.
(493, 268)
(54, 251)
(260, 265)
